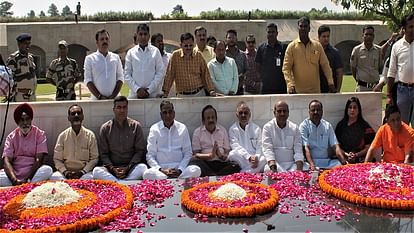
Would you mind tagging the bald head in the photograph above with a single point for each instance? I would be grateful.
(281, 103)
(243, 113)
(281, 113)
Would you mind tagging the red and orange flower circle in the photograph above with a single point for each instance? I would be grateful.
(260, 199)
(100, 202)
(378, 185)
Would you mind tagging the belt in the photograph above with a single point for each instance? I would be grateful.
(191, 92)
(406, 84)
(367, 85)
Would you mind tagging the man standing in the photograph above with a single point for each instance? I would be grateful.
(144, 68)
(252, 82)
(76, 150)
(335, 62)
(23, 67)
(319, 139)
(122, 146)
(157, 40)
(63, 73)
(234, 52)
(246, 141)
(402, 67)
(282, 142)
(223, 71)
(169, 148)
(366, 61)
(24, 150)
(200, 34)
(303, 59)
(269, 61)
(188, 69)
(103, 69)
(211, 146)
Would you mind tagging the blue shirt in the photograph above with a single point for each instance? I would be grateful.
(224, 75)
(319, 138)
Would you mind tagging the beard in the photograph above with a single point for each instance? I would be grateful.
(25, 129)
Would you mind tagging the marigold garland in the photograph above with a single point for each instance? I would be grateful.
(71, 220)
(260, 199)
(350, 183)
(13, 207)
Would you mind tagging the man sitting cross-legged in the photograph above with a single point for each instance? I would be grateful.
(211, 146)
(24, 150)
(121, 145)
(169, 148)
(282, 142)
(76, 150)
(246, 141)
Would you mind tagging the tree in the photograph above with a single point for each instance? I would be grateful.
(390, 11)
(5, 9)
(42, 14)
(31, 14)
(178, 9)
(53, 11)
(66, 11)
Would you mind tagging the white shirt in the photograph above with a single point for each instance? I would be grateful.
(402, 61)
(103, 71)
(144, 69)
(165, 59)
(246, 142)
(169, 148)
(282, 144)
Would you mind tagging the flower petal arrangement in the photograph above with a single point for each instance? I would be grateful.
(377, 185)
(217, 199)
(99, 202)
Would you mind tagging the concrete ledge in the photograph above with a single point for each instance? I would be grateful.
(52, 116)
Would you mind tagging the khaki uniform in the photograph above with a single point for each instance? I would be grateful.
(23, 68)
(65, 74)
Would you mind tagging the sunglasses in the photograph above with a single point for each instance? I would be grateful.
(251, 42)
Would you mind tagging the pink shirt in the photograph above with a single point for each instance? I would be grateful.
(204, 140)
(22, 150)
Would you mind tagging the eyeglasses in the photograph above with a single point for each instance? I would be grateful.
(250, 42)
(187, 45)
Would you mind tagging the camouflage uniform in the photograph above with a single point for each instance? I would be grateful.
(23, 68)
(65, 74)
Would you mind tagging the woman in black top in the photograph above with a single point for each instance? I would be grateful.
(354, 134)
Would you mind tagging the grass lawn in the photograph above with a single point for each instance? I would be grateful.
(349, 84)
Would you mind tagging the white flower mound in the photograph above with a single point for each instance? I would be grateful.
(230, 191)
(381, 173)
(50, 194)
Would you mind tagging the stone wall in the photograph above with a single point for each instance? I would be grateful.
(52, 116)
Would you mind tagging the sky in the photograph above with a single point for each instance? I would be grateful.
(160, 7)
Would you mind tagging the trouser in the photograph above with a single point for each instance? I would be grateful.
(59, 176)
(43, 173)
(405, 101)
(102, 173)
(326, 163)
(287, 167)
(215, 167)
(244, 163)
(156, 174)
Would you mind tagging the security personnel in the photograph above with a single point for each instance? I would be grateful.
(23, 67)
(64, 74)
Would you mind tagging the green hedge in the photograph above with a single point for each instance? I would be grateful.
(209, 15)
